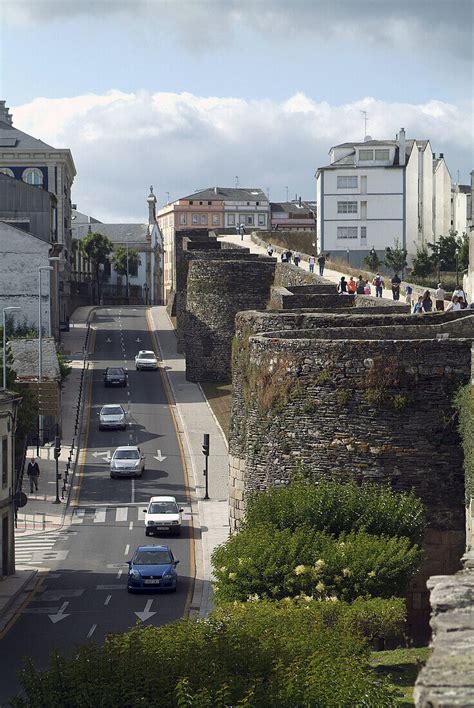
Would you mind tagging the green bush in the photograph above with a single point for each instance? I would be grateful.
(339, 508)
(261, 654)
(266, 562)
(464, 403)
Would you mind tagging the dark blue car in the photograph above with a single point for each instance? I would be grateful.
(152, 568)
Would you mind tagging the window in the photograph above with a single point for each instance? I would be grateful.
(209, 203)
(4, 462)
(382, 154)
(262, 219)
(347, 182)
(195, 218)
(230, 219)
(33, 176)
(363, 210)
(249, 219)
(203, 218)
(200, 203)
(183, 219)
(191, 202)
(133, 270)
(366, 154)
(363, 233)
(6, 171)
(347, 207)
(345, 232)
(215, 218)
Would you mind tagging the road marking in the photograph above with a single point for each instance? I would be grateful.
(109, 587)
(159, 456)
(128, 393)
(99, 516)
(121, 513)
(91, 631)
(127, 549)
(107, 599)
(119, 572)
(105, 454)
(133, 491)
(146, 614)
(78, 516)
(60, 614)
(130, 526)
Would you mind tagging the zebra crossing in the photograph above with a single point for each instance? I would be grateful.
(113, 514)
(38, 549)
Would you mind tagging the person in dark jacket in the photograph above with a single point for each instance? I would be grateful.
(342, 287)
(33, 472)
(427, 302)
(396, 286)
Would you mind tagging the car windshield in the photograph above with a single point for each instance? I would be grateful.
(126, 455)
(164, 507)
(146, 355)
(115, 372)
(112, 410)
(152, 558)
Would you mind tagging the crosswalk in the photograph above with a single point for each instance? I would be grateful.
(38, 549)
(113, 514)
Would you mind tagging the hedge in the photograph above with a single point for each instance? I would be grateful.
(464, 403)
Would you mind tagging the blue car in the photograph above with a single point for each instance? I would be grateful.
(152, 568)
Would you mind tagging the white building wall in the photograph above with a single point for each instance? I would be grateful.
(22, 254)
(459, 212)
(441, 200)
(427, 195)
(413, 239)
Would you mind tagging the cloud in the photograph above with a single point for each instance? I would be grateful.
(431, 25)
(123, 142)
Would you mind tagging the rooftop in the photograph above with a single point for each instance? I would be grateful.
(25, 359)
(245, 194)
(117, 233)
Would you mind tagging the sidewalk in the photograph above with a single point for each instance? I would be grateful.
(194, 418)
(40, 513)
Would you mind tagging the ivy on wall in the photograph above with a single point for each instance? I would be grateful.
(464, 403)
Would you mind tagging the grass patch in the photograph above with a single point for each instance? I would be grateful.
(403, 666)
(219, 396)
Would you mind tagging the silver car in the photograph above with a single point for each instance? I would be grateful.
(127, 461)
(111, 417)
(146, 360)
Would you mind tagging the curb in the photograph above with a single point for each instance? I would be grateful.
(16, 600)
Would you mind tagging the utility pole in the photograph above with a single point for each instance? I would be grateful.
(364, 113)
(205, 452)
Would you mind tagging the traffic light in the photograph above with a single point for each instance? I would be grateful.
(205, 445)
(57, 447)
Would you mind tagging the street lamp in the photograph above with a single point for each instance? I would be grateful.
(6, 309)
(40, 323)
(53, 259)
(456, 255)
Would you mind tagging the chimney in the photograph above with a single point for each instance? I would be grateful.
(215, 191)
(151, 199)
(5, 115)
(441, 155)
(401, 148)
(299, 201)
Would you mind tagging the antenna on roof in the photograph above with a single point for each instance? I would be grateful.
(286, 193)
(364, 113)
(268, 193)
(236, 181)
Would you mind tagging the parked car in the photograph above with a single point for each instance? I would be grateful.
(162, 514)
(112, 416)
(115, 376)
(152, 568)
(127, 461)
(146, 360)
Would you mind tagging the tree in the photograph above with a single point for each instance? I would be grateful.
(119, 262)
(96, 248)
(395, 258)
(444, 251)
(372, 261)
(422, 263)
(464, 251)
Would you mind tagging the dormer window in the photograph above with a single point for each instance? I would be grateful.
(383, 154)
(366, 154)
(33, 176)
(6, 171)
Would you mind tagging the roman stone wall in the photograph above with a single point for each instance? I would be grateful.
(216, 291)
(287, 274)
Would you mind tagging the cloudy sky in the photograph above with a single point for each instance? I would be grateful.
(186, 94)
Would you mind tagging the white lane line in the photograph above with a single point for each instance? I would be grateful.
(99, 516)
(121, 513)
(133, 491)
(119, 573)
(127, 549)
(128, 393)
(78, 516)
(107, 599)
(91, 631)
(130, 526)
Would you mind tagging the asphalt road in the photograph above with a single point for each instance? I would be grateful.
(83, 597)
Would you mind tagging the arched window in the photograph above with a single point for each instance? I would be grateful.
(6, 171)
(33, 176)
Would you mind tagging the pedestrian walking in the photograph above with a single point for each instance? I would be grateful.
(33, 472)
(408, 294)
(378, 283)
(367, 289)
(269, 250)
(351, 286)
(284, 257)
(418, 307)
(312, 261)
(454, 305)
(360, 286)
(342, 287)
(440, 297)
(289, 256)
(427, 302)
(321, 263)
(296, 258)
(395, 282)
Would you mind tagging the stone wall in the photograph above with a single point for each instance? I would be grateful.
(448, 678)
(216, 291)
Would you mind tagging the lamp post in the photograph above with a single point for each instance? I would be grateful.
(40, 346)
(456, 255)
(53, 259)
(6, 309)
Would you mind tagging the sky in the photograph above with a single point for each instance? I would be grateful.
(188, 94)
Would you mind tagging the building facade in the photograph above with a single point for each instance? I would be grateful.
(210, 209)
(8, 408)
(298, 215)
(377, 192)
(30, 160)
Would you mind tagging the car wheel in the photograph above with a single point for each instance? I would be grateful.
(112, 476)
(147, 533)
(130, 590)
(175, 588)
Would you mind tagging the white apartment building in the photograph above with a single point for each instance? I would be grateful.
(378, 191)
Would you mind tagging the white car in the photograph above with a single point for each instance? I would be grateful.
(112, 416)
(146, 360)
(163, 514)
(127, 461)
